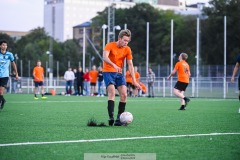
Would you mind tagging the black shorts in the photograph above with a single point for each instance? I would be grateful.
(37, 84)
(92, 84)
(3, 82)
(181, 86)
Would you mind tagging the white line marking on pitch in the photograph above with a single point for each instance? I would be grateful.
(115, 139)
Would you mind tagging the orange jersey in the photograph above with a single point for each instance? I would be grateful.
(93, 74)
(128, 77)
(137, 76)
(38, 73)
(117, 56)
(183, 71)
(144, 88)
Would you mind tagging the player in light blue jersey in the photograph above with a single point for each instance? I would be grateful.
(5, 59)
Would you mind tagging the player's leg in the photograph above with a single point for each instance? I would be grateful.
(239, 87)
(42, 91)
(3, 83)
(122, 104)
(66, 87)
(111, 97)
(122, 89)
(35, 90)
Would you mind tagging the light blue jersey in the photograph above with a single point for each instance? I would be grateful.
(5, 60)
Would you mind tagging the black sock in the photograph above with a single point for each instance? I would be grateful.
(42, 95)
(111, 109)
(182, 107)
(121, 108)
(1, 98)
(239, 97)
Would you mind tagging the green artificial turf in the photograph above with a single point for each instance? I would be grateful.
(61, 119)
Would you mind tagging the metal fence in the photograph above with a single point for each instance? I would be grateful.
(204, 87)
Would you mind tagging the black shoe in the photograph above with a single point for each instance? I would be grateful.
(2, 103)
(118, 123)
(187, 100)
(110, 122)
(182, 108)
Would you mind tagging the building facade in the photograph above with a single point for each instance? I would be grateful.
(60, 16)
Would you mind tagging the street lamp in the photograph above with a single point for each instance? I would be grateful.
(104, 27)
(115, 28)
(50, 69)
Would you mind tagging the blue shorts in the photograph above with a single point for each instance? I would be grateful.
(38, 84)
(114, 78)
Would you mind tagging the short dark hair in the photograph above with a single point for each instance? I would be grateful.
(3, 41)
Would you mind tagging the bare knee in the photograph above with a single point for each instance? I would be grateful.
(123, 97)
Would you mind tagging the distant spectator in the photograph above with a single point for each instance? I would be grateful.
(14, 82)
(87, 80)
(80, 80)
(75, 82)
(69, 77)
(93, 74)
(150, 81)
(100, 82)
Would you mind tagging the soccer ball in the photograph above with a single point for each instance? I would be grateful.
(126, 118)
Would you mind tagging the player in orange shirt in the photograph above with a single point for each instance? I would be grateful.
(38, 75)
(137, 76)
(114, 55)
(184, 74)
(143, 91)
(129, 82)
(94, 75)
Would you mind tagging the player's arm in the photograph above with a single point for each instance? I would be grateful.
(131, 70)
(107, 60)
(235, 70)
(43, 76)
(172, 73)
(15, 69)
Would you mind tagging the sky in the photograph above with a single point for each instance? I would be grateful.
(25, 15)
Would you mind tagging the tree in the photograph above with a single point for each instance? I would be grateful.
(213, 31)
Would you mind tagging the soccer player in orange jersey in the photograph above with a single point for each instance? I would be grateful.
(129, 83)
(114, 55)
(137, 76)
(184, 74)
(94, 75)
(38, 75)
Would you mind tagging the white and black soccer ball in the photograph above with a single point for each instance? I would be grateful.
(126, 118)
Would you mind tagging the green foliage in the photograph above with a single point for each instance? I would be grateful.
(213, 31)
(10, 41)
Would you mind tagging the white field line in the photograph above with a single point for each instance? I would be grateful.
(115, 139)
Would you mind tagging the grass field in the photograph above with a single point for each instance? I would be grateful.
(56, 128)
